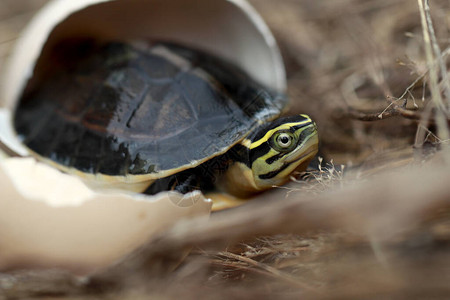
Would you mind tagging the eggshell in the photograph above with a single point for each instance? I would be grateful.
(50, 219)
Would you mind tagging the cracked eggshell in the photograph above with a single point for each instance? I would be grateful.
(50, 219)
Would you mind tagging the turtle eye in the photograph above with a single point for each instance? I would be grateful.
(283, 141)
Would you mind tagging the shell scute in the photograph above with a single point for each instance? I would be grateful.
(127, 111)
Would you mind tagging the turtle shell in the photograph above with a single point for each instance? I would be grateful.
(124, 110)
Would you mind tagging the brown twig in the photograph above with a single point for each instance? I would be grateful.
(367, 116)
(392, 111)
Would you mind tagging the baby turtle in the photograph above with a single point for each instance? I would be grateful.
(162, 117)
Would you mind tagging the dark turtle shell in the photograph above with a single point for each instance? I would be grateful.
(123, 110)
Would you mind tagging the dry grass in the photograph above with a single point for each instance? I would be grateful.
(373, 222)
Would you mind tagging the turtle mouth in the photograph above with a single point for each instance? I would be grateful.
(306, 149)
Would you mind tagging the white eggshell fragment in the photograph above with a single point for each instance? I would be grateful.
(50, 219)
(8, 139)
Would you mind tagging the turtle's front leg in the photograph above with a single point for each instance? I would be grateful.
(185, 183)
(182, 182)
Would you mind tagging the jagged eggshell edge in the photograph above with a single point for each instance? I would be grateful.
(50, 219)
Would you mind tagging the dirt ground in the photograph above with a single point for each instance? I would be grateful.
(372, 222)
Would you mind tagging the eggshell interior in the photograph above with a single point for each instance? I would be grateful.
(230, 29)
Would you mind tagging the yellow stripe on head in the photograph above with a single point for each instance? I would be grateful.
(269, 133)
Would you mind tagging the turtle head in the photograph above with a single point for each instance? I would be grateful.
(281, 147)
(271, 153)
